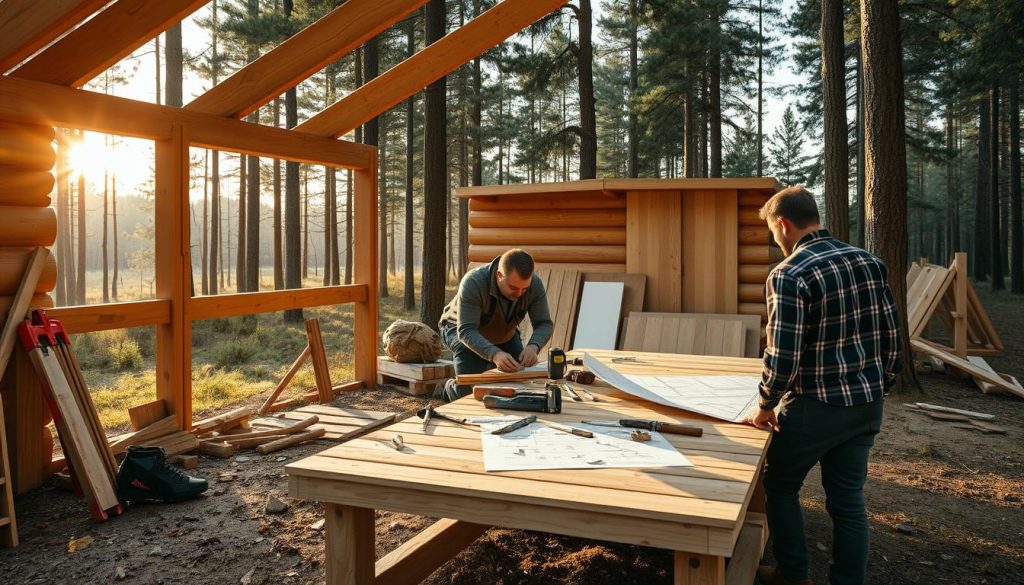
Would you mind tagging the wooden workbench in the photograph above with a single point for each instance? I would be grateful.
(705, 513)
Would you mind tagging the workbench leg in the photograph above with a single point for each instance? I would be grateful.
(697, 569)
(350, 545)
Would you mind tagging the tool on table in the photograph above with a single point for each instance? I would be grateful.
(580, 376)
(397, 443)
(503, 391)
(556, 363)
(588, 394)
(548, 401)
(525, 421)
(572, 393)
(567, 429)
(429, 411)
(650, 425)
(629, 360)
(422, 413)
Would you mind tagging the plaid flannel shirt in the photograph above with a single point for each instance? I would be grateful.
(833, 329)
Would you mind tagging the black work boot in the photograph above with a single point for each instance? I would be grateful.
(145, 474)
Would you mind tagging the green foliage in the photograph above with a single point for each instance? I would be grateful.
(235, 352)
(786, 153)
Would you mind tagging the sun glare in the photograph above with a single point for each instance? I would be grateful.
(128, 161)
(89, 158)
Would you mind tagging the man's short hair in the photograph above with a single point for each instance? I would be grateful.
(795, 204)
(516, 259)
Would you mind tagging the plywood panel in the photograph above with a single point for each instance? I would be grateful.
(598, 319)
(654, 246)
(710, 265)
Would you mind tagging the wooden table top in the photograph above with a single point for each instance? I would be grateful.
(440, 473)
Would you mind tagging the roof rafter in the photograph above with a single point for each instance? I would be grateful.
(29, 25)
(103, 41)
(311, 49)
(430, 64)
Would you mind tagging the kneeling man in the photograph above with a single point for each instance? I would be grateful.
(481, 324)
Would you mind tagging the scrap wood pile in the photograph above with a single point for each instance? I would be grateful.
(962, 419)
(948, 324)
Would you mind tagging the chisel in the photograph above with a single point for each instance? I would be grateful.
(650, 425)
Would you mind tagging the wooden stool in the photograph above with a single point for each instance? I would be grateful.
(8, 526)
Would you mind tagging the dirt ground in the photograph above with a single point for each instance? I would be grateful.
(957, 495)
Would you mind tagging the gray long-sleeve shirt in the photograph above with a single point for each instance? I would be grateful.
(479, 296)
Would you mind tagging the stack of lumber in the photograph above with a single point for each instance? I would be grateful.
(694, 333)
(417, 378)
(964, 419)
(338, 423)
(152, 426)
(223, 435)
(941, 298)
(26, 181)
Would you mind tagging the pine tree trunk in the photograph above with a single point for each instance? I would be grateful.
(951, 190)
(204, 255)
(382, 212)
(292, 208)
(278, 212)
(982, 250)
(61, 244)
(305, 224)
(760, 88)
(240, 240)
(633, 152)
(886, 155)
(1017, 237)
(409, 292)
(113, 217)
(588, 115)
(216, 275)
(80, 285)
(861, 207)
(995, 242)
(833, 84)
(329, 197)
(252, 220)
(690, 155)
(715, 95)
(348, 228)
(435, 178)
(103, 246)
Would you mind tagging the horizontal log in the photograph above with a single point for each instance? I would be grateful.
(749, 216)
(27, 226)
(215, 307)
(518, 237)
(86, 318)
(558, 218)
(755, 235)
(38, 301)
(13, 262)
(547, 201)
(25, 151)
(567, 254)
(585, 266)
(35, 132)
(751, 293)
(753, 198)
(759, 254)
(25, 188)
(753, 309)
(754, 273)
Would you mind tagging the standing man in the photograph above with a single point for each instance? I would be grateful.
(481, 324)
(833, 351)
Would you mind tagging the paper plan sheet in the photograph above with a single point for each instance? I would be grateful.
(724, 397)
(541, 447)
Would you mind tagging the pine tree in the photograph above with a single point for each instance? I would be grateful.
(786, 152)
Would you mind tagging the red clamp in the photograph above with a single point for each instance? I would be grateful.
(37, 327)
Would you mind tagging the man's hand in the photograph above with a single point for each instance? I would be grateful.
(528, 357)
(764, 419)
(505, 362)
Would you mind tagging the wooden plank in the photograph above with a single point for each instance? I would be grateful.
(415, 371)
(654, 222)
(164, 426)
(146, 414)
(525, 237)
(320, 368)
(14, 262)
(697, 569)
(977, 310)
(692, 333)
(109, 36)
(19, 308)
(767, 186)
(9, 531)
(349, 545)
(554, 253)
(29, 441)
(557, 218)
(989, 388)
(226, 420)
(428, 65)
(587, 187)
(86, 318)
(709, 252)
(960, 284)
(414, 560)
(300, 56)
(220, 306)
(546, 201)
(174, 276)
(294, 369)
(964, 365)
(70, 108)
(29, 25)
(746, 555)
(365, 334)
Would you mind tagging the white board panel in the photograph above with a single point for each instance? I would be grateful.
(597, 324)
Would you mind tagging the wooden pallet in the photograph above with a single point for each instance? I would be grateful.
(415, 378)
(341, 424)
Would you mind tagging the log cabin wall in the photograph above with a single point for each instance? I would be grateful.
(700, 242)
(26, 157)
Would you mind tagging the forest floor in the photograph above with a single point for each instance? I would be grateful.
(957, 495)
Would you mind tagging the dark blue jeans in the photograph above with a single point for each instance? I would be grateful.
(468, 362)
(839, 438)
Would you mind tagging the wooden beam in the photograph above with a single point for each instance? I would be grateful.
(86, 318)
(173, 276)
(349, 545)
(417, 558)
(215, 307)
(432, 63)
(104, 40)
(308, 51)
(365, 267)
(29, 25)
(20, 306)
(33, 102)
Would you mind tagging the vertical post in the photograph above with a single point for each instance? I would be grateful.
(960, 290)
(349, 545)
(698, 569)
(365, 269)
(173, 275)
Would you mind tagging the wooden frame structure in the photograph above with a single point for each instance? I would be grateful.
(42, 63)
